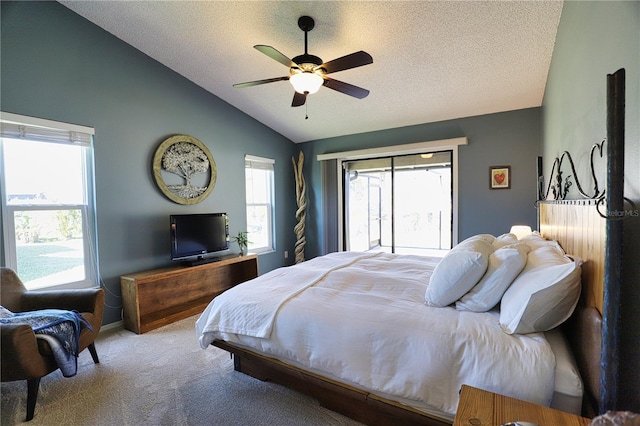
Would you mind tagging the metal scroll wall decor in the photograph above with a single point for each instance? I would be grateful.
(183, 159)
(301, 212)
(559, 185)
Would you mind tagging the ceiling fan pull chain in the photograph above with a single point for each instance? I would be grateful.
(306, 110)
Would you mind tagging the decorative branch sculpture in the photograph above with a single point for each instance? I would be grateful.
(301, 212)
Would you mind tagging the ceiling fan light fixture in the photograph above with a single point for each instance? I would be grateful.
(306, 82)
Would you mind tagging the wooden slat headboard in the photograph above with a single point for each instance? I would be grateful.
(581, 232)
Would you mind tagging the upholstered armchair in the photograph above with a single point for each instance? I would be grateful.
(23, 356)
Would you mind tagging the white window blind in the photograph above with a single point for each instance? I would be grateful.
(258, 163)
(13, 126)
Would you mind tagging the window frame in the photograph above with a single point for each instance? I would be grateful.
(264, 164)
(17, 127)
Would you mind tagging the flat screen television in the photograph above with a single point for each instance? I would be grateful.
(198, 238)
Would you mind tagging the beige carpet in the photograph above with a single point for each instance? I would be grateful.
(161, 378)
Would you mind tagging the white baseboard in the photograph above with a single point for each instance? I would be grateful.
(112, 326)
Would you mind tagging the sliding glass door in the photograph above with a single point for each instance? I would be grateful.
(365, 182)
(400, 204)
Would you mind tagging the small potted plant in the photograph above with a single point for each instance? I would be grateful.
(243, 240)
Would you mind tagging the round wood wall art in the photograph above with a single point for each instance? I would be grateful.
(184, 169)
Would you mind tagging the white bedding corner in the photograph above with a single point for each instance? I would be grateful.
(249, 312)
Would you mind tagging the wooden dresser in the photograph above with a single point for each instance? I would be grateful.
(159, 297)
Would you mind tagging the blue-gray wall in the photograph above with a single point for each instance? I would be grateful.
(59, 66)
(595, 39)
(510, 138)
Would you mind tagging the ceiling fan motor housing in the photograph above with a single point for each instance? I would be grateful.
(307, 59)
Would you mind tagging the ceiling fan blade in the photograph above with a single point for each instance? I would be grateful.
(353, 60)
(257, 82)
(346, 88)
(298, 99)
(274, 54)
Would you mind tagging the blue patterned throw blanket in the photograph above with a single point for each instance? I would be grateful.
(60, 328)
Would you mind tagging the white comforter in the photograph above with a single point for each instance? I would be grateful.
(361, 318)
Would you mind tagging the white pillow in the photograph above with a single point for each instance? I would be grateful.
(545, 293)
(486, 237)
(535, 240)
(504, 266)
(504, 240)
(458, 272)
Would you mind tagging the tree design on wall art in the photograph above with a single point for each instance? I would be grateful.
(185, 160)
(184, 169)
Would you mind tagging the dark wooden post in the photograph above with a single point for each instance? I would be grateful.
(609, 380)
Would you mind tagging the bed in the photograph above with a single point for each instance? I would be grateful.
(345, 362)
(361, 318)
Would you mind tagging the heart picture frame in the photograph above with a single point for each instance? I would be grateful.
(499, 177)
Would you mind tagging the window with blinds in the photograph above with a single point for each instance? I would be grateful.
(259, 175)
(49, 226)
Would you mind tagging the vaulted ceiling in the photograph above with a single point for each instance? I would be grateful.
(432, 60)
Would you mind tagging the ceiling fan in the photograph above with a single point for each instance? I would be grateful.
(307, 73)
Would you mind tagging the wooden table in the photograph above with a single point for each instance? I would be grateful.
(478, 407)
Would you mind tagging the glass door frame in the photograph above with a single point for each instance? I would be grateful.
(333, 188)
(364, 204)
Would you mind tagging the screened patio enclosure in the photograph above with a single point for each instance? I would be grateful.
(399, 204)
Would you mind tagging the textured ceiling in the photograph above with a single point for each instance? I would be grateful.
(432, 60)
